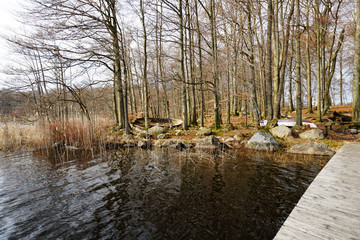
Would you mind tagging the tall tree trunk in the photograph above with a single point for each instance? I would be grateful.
(319, 60)
(160, 63)
(192, 91)
(269, 87)
(157, 68)
(283, 59)
(228, 75)
(341, 77)
(275, 56)
(127, 80)
(117, 64)
(291, 103)
(308, 60)
(254, 103)
(201, 79)
(356, 80)
(214, 53)
(145, 80)
(182, 65)
(298, 65)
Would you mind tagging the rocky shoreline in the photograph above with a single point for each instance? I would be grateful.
(268, 141)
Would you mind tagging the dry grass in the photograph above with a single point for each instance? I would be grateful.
(15, 135)
(41, 135)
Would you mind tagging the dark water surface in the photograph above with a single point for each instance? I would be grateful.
(159, 194)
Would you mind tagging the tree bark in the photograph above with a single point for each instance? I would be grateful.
(308, 60)
(201, 79)
(254, 103)
(319, 60)
(298, 68)
(269, 88)
(145, 80)
(214, 53)
(182, 65)
(356, 79)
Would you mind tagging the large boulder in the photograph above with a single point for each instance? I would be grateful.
(263, 141)
(155, 130)
(210, 142)
(312, 134)
(204, 131)
(312, 148)
(172, 143)
(281, 131)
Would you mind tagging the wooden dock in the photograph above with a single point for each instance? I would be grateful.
(330, 207)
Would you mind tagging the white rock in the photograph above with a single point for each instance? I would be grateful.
(281, 131)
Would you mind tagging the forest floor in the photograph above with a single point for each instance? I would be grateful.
(335, 137)
(15, 134)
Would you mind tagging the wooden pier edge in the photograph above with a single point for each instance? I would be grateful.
(330, 207)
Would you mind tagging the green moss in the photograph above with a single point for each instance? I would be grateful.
(116, 131)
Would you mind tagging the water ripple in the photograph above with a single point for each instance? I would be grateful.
(160, 194)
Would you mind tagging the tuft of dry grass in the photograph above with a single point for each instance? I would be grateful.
(41, 135)
(16, 135)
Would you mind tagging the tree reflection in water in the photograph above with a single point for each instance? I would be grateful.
(159, 194)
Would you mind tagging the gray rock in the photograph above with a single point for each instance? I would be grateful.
(210, 142)
(155, 130)
(263, 141)
(354, 131)
(312, 148)
(172, 143)
(281, 131)
(165, 142)
(312, 134)
(203, 131)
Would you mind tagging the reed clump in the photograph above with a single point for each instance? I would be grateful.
(76, 134)
(17, 135)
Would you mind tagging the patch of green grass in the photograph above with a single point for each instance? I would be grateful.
(333, 143)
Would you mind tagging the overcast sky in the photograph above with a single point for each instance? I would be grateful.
(7, 16)
(7, 22)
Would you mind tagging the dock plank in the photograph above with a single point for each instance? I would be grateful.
(330, 207)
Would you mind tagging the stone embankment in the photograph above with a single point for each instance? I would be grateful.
(277, 138)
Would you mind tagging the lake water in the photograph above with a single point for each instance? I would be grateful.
(159, 194)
